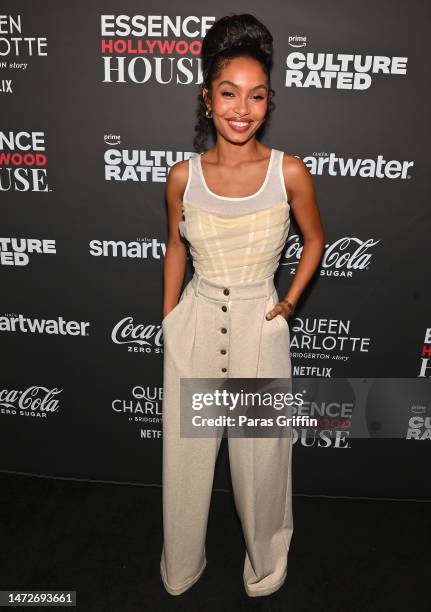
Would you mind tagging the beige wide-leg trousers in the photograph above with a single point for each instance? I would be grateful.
(216, 331)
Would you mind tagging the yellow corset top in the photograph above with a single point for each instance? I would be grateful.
(236, 240)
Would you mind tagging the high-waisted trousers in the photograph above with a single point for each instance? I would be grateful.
(214, 331)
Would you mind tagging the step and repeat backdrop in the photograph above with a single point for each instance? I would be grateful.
(98, 101)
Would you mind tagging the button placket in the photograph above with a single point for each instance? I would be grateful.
(224, 330)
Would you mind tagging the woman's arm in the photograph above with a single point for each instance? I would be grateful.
(174, 263)
(299, 185)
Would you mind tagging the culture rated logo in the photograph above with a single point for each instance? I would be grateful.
(337, 70)
(419, 426)
(17, 251)
(140, 165)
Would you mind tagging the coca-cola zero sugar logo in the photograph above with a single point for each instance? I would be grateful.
(138, 337)
(343, 257)
(35, 401)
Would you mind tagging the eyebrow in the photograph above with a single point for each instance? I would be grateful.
(234, 85)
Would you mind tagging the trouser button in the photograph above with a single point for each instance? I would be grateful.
(223, 330)
(226, 291)
(224, 308)
(223, 351)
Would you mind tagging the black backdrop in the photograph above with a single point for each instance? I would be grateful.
(95, 108)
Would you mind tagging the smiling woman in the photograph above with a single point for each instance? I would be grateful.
(231, 205)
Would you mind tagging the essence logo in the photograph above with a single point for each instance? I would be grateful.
(23, 161)
(153, 48)
(425, 366)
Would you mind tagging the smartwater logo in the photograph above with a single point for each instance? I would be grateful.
(332, 165)
(149, 248)
(51, 327)
(425, 362)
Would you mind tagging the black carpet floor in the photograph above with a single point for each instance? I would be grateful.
(104, 541)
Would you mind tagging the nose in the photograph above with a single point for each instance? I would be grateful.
(241, 107)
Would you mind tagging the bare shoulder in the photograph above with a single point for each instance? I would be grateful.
(294, 166)
(177, 178)
(296, 174)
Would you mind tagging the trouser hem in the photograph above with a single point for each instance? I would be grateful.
(267, 590)
(185, 585)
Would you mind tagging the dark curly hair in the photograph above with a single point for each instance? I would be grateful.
(229, 37)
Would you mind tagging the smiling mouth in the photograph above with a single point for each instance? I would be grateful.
(239, 124)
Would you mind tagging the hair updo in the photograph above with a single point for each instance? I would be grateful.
(231, 36)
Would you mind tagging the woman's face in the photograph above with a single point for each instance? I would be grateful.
(239, 99)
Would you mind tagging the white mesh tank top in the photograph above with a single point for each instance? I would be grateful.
(236, 240)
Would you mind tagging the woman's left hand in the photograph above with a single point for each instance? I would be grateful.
(281, 309)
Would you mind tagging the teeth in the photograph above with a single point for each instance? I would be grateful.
(240, 123)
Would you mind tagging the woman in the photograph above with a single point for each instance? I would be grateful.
(231, 204)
